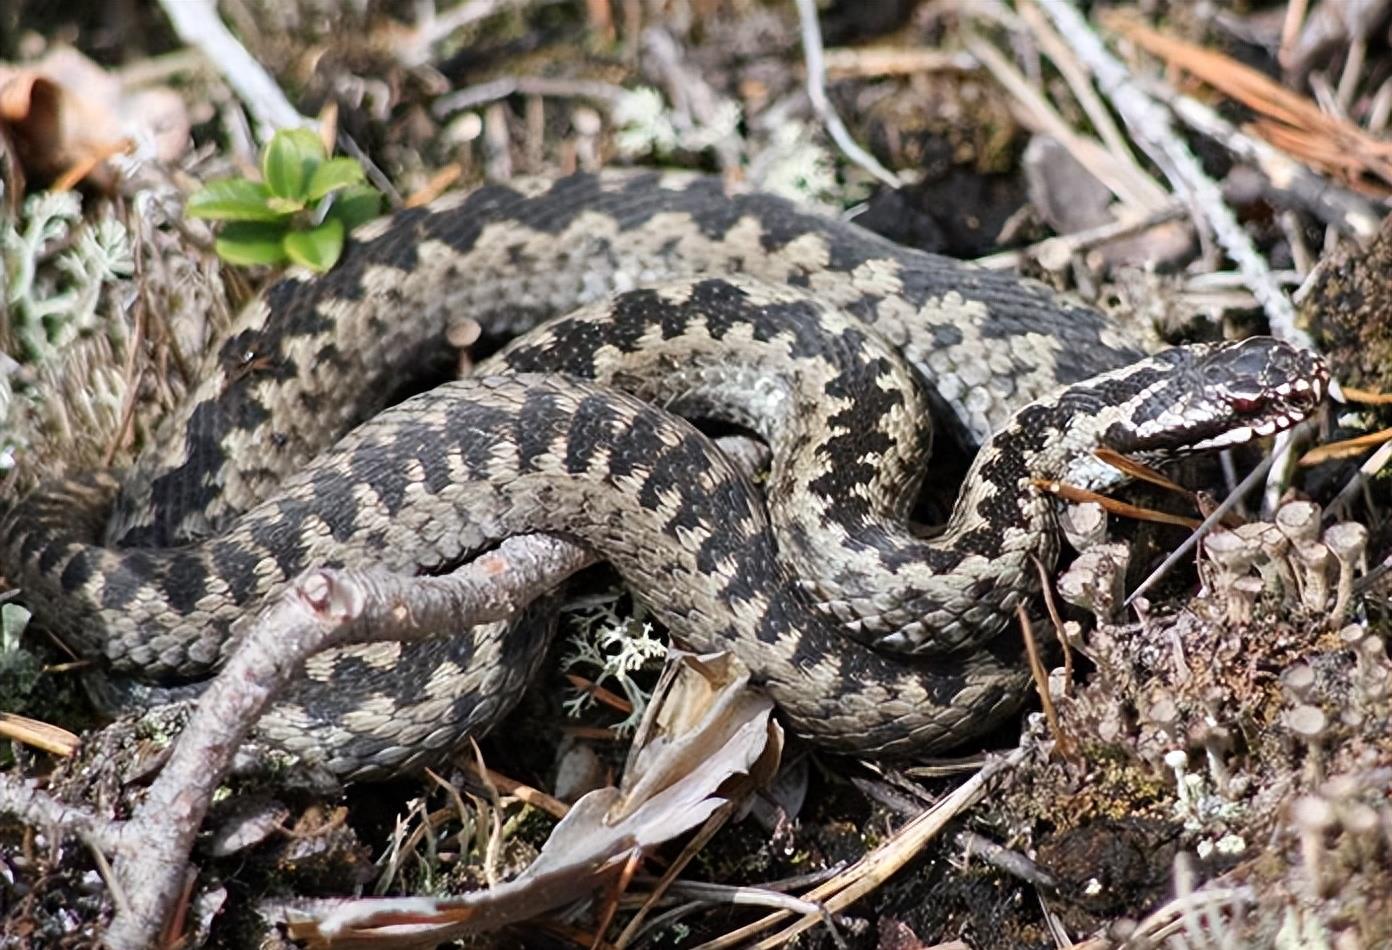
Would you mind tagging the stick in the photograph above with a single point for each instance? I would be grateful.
(197, 23)
(1349, 212)
(320, 609)
(816, 91)
(872, 870)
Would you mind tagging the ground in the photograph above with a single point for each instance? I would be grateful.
(1215, 766)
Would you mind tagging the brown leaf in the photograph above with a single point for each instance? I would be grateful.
(706, 738)
(66, 116)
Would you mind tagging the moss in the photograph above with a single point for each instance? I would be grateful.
(1349, 310)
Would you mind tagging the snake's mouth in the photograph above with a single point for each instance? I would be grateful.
(1282, 407)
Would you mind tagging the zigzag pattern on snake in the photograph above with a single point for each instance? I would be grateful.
(436, 479)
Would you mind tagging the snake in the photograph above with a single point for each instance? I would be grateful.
(833, 344)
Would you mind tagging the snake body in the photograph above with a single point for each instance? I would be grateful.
(426, 484)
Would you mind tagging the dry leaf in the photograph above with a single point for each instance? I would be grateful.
(706, 738)
(66, 116)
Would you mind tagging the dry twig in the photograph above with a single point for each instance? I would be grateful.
(1132, 187)
(1288, 120)
(198, 24)
(1151, 126)
(322, 608)
(1216, 516)
(816, 91)
(1345, 210)
(874, 868)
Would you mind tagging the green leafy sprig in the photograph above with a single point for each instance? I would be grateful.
(301, 210)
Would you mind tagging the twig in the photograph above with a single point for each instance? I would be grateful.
(523, 793)
(432, 28)
(660, 887)
(471, 97)
(197, 23)
(321, 608)
(874, 868)
(1035, 112)
(1055, 252)
(1347, 211)
(1075, 75)
(1290, 30)
(1316, 131)
(1041, 681)
(1011, 862)
(816, 91)
(1213, 518)
(1151, 125)
(1370, 467)
(374, 174)
(24, 800)
(1167, 919)
(895, 61)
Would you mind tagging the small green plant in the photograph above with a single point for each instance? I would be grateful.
(301, 210)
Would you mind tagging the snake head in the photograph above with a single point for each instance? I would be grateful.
(1210, 396)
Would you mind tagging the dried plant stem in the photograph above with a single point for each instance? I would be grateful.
(198, 24)
(1153, 129)
(1037, 113)
(874, 868)
(1076, 76)
(816, 91)
(1349, 212)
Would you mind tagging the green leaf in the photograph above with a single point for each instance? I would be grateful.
(233, 199)
(290, 162)
(318, 248)
(355, 205)
(284, 206)
(335, 173)
(252, 242)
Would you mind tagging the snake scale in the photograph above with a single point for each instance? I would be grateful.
(816, 334)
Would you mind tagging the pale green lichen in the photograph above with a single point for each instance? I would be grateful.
(796, 166)
(52, 297)
(53, 268)
(640, 116)
(644, 126)
(612, 649)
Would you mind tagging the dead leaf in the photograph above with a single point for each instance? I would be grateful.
(66, 116)
(706, 739)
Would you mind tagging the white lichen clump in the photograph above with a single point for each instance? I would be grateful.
(53, 268)
(613, 649)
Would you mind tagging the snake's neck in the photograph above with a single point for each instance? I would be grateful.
(955, 590)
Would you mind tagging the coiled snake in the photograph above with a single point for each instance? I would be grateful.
(813, 333)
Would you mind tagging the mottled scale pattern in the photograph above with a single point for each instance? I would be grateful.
(510, 256)
(819, 338)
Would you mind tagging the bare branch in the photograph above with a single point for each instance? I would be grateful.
(198, 24)
(320, 609)
(23, 799)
